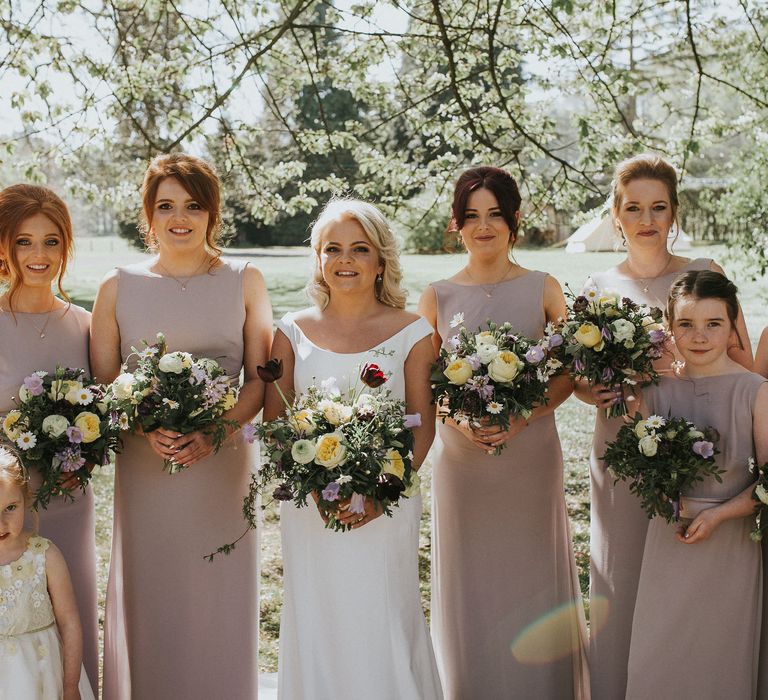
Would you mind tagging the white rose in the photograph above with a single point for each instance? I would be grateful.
(24, 394)
(648, 445)
(172, 363)
(335, 412)
(122, 387)
(485, 338)
(641, 429)
(55, 425)
(761, 493)
(186, 360)
(303, 451)
(504, 367)
(486, 352)
(695, 434)
(623, 330)
(210, 366)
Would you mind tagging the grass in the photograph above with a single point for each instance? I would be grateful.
(285, 273)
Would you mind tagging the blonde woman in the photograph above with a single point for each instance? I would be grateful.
(352, 624)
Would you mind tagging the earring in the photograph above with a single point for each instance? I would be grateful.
(378, 277)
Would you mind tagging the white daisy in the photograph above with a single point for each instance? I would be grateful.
(457, 320)
(493, 407)
(84, 397)
(343, 479)
(655, 422)
(26, 441)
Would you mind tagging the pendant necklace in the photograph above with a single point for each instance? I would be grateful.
(645, 283)
(489, 290)
(41, 331)
(184, 281)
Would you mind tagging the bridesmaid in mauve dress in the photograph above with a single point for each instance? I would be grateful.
(696, 628)
(177, 626)
(507, 616)
(644, 208)
(39, 331)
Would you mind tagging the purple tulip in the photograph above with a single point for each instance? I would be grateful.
(74, 435)
(703, 448)
(33, 384)
(249, 432)
(578, 365)
(412, 420)
(357, 504)
(535, 354)
(607, 375)
(331, 492)
(606, 334)
(555, 340)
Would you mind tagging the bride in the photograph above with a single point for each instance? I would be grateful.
(352, 624)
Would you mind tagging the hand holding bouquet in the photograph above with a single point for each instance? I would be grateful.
(494, 375)
(661, 458)
(760, 494)
(175, 391)
(60, 427)
(612, 340)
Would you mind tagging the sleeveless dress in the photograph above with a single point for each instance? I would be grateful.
(31, 661)
(507, 615)
(696, 629)
(352, 624)
(70, 525)
(617, 525)
(177, 626)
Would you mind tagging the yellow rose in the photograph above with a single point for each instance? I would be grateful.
(11, 430)
(330, 451)
(393, 464)
(230, 399)
(504, 367)
(588, 335)
(335, 412)
(61, 387)
(89, 425)
(458, 372)
(303, 422)
(654, 327)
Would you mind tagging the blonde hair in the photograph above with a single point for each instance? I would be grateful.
(12, 472)
(389, 290)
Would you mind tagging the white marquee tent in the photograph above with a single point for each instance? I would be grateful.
(599, 234)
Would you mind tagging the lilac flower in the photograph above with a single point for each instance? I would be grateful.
(33, 384)
(481, 386)
(606, 333)
(578, 365)
(703, 448)
(249, 432)
(357, 504)
(69, 459)
(452, 344)
(331, 492)
(197, 375)
(74, 435)
(474, 362)
(657, 336)
(607, 375)
(412, 420)
(512, 336)
(655, 353)
(555, 340)
(535, 354)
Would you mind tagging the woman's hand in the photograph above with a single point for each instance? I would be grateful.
(355, 520)
(163, 442)
(489, 437)
(605, 396)
(192, 447)
(702, 527)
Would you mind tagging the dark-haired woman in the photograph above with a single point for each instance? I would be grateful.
(177, 626)
(38, 331)
(644, 208)
(507, 616)
(696, 626)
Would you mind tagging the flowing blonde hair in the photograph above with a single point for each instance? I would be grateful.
(389, 290)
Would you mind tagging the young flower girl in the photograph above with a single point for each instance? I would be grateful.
(40, 635)
(696, 627)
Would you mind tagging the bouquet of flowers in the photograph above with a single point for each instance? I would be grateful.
(493, 375)
(334, 448)
(60, 426)
(612, 340)
(661, 458)
(172, 390)
(760, 494)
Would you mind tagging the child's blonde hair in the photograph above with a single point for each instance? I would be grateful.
(12, 472)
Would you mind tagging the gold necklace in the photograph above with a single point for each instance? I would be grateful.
(489, 290)
(41, 331)
(646, 284)
(178, 281)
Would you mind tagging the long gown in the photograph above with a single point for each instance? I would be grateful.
(507, 615)
(177, 626)
(618, 524)
(696, 629)
(71, 525)
(352, 624)
(31, 664)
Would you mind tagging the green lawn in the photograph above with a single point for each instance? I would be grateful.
(285, 273)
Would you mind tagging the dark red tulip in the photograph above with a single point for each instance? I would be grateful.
(270, 372)
(373, 376)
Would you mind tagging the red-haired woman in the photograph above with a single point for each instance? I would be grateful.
(503, 568)
(38, 331)
(175, 625)
(644, 207)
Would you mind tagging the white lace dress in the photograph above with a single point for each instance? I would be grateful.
(30, 649)
(352, 625)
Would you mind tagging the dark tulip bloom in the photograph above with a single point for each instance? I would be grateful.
(580, 304)
(389, 487)
(270, 372)
(621, 362)
(373, 376)
(629, 304)
(282, 493)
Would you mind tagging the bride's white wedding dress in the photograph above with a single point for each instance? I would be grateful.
(352, 625)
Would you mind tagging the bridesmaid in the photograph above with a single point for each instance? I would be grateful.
(644, 207)
(38, 331)
(176, 625)
(696, 627)
(507, 616)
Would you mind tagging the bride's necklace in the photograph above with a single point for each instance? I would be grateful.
(41, 330)
(183, 281)
(489, 289)
(645, 280)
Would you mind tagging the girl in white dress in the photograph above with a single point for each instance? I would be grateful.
(352, 624)
(41, 641)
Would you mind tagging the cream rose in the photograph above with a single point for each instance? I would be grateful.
(61, 387)
(414, 488)
(458, 372)
(623, 330)
(648, 445)
(330, 451)
(303, 451)
(695, 434)
(335, 412)
(761, 493)
(89, 425)
(641, 429)
(11, 428)
(303, 422)
(55, 425)
(588, 335)
(504, 367)
(172, 363)
(486, 352)
(122, 387)
(79, 395)
(393, 464)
